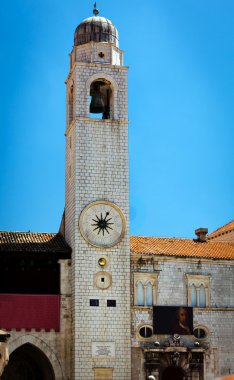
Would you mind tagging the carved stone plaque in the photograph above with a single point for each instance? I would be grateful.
(103, 349)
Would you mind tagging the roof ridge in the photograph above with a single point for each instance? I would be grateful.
(160, 237)
(222, 228)
(28, 232)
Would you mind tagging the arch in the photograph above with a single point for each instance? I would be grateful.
(27, 362)
(100, 76)
(202, 283)
(113, 85)
(43, 347)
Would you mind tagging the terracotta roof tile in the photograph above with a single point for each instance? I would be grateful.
(227, 227)
(55, 243)
(181, 247)
(33, 242)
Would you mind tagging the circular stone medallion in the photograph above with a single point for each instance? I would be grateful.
(102, 280)
(102, 224)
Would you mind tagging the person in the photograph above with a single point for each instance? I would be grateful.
(181, 326)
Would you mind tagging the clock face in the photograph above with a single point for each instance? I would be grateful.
(102, 224)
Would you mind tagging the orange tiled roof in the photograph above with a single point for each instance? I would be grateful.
(55, 243)
(33, 242)
(227, 227)
(181, 247)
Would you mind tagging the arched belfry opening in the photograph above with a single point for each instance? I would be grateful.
(101, 95)
(28, 362)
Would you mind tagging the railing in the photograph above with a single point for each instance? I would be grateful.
(29, 311)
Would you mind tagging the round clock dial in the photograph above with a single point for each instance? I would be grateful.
(102, 224)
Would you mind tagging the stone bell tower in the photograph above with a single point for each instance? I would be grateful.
(97, 203)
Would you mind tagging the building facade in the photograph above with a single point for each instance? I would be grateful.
(182, 273)
(90, 302)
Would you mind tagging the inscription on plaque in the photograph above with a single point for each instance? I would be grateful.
(103, 349)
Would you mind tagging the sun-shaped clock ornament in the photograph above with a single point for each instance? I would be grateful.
(102, 224)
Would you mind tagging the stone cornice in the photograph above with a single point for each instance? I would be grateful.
(92, 43)
(203, 309)
(147, 257)
(98, 65)
(78, 119)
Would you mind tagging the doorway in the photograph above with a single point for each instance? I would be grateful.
(28, 363)
(173, 373)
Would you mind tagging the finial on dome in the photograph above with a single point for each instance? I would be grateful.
(95, 10)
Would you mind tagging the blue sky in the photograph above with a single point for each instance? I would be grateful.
(181, 92)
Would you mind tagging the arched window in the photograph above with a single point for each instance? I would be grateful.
(202, 298)
(140, 294)
(193, 295)
(149, 294)
(145, 289)
(198, 290)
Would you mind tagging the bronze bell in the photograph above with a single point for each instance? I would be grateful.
(96, 105)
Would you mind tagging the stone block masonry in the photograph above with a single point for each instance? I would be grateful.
(97, 169)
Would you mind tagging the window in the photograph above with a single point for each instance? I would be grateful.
(145, 332)
(193, 296)
(145, 289)
(198, 290)
(111, 303)
(149, 294)
(140, 294)
(70, 105)
(200, 332)
(94, 302)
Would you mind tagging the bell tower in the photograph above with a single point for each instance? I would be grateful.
(97, 203)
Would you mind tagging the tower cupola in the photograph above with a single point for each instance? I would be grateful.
(96, 29)
(96, 40)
